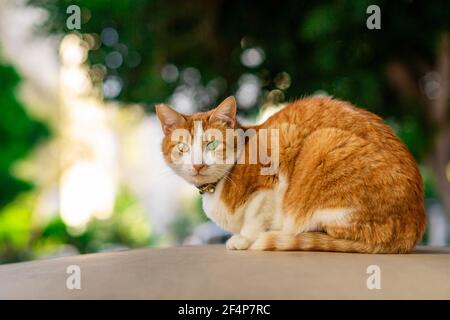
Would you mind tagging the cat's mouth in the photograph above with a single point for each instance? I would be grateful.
(200, 178)
(198, 174)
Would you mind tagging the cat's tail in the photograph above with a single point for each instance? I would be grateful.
(316, 241)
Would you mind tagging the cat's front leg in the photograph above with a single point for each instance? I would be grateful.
(238, 242)
(253, 225)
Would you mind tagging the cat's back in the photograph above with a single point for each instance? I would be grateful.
(313, 113)
(300, 119)
(304, 116)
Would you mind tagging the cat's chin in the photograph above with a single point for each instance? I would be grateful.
(199, 180)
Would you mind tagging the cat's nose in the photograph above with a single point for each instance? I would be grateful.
(198, 167)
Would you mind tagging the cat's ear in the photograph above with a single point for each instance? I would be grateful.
(169, 118)
(225, 111)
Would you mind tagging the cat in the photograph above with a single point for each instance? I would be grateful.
(344, 181)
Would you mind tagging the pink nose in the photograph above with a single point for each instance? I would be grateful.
(198, 167)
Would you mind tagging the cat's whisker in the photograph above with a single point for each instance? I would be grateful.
(231, 180)
(225, 175)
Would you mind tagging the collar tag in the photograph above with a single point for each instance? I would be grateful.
(209, 187)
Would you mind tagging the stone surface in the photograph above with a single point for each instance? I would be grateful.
(211, 272)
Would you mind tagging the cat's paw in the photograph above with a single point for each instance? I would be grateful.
(238, 242)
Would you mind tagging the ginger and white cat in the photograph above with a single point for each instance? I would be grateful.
(344, 182)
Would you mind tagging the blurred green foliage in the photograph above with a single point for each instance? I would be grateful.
(18, 134)
(128, 227)
(323, 45)
(23, 238)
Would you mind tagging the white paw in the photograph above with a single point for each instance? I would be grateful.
(238, 242)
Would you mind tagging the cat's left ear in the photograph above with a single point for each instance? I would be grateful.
(225, 112)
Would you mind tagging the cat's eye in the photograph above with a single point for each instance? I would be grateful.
(212, 145)
(182, 147)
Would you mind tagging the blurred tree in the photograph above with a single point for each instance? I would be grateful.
(433, 98)
(399, 71)
(18, 134)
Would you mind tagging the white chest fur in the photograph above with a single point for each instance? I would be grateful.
(216, 210)
(262, 211)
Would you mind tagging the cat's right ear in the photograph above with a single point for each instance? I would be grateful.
(169, 118)
(225, 112)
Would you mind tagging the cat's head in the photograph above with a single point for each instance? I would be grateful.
(199, 147)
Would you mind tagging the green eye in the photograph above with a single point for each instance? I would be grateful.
(212, 145)
(182, 147)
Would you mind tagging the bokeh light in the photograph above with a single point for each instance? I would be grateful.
(252, 57)
(109, 36)
(249, 91)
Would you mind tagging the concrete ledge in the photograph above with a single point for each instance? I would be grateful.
(211, 272)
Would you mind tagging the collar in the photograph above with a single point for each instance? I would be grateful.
(208, 187)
